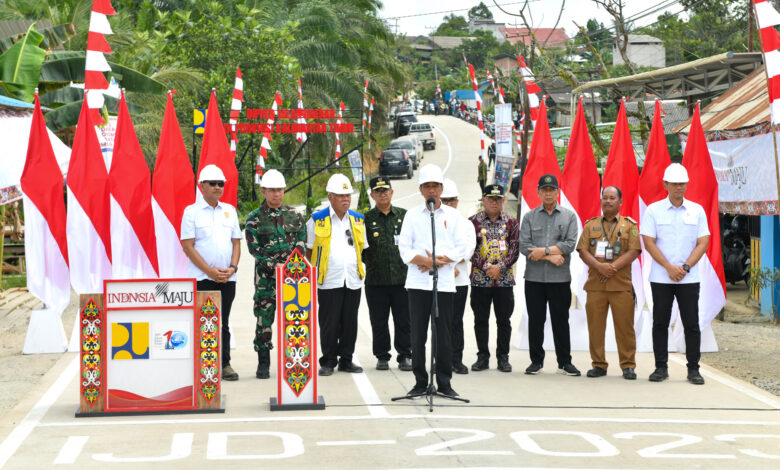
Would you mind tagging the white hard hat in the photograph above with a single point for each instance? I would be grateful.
(211, 173)
(339, 184)
(430, 173)
(450, 189)
(273, 179)
(676, 173)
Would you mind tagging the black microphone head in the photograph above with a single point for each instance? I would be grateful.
(430, 202)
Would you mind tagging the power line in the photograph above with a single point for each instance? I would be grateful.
(454, 11)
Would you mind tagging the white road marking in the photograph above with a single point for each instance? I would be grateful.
(444, 170)
(411, 417)
(732, 384)
(356, 443)
(33, 418)
(370, 397)
(181, 447)
(71, 450)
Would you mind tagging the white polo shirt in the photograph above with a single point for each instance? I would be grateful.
(342, 260)
(675, 230)
(213, 229)
(451, 242)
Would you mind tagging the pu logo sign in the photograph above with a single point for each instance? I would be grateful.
(130, 340)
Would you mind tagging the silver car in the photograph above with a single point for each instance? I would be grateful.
(411, 147)
(424, 132)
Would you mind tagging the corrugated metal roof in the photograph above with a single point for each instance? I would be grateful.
(13, 27)
(14, 103)
(745, 104)
(449, 42)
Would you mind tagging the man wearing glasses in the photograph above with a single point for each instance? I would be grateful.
(335, 239)
(211, 239)
(385, 278)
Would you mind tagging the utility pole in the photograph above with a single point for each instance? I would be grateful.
(751, 25)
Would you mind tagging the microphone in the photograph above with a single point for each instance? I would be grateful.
(431, 203)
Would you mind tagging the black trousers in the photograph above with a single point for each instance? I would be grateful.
(228, 290)
(503, 301)
(456, 330)
(538, 295)
(687, 296)
(338, 317)
(420, 302)
(380, 300)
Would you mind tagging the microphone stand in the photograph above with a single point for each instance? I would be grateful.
(431, 391)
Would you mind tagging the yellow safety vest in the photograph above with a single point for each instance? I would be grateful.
(322, 232)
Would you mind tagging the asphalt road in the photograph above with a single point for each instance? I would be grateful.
(513, 420)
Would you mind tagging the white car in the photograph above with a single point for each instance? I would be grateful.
(424, 132)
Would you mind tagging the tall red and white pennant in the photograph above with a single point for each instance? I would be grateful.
(300, 136)
(96, 63)
(365, 105)
(370, 112)
(338, 137)
(531, 87)
(767, 18)
(265, 145)
(235, 110)
(479, 111)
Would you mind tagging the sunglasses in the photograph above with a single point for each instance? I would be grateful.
(221, 184)
(349, 238)
(449, 200)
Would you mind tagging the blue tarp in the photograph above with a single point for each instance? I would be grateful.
(461, 95)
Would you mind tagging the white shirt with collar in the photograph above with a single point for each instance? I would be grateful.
(213, 229)
(675, 230)
(464, 275)
(451, 242)
(342, 260)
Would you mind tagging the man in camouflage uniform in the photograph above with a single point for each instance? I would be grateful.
(273, 231)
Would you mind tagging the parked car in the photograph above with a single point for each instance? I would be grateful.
(424, 132)
(395, 162)
(409, 145)
(402, 123)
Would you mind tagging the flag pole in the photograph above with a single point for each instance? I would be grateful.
(769, 98)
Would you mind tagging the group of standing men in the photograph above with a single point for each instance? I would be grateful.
(391, 251)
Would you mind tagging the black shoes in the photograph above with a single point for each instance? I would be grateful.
(504, 365)
(659, 374)
(405, 364)
(629, 374)
(695, 377)
(448, 392)
(481, 364)
(533, 369)
(263, 364)
(569, 369)
(460, 368)
(382, 364)
(597, 372)
(326, 371)
(350, 367)
(417, 390)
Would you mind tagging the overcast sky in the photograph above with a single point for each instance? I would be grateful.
(543, 12)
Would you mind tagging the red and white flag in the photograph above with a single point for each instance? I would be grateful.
(133, 240)
(703, 190)
(337, 156)
(622, 172)
(365, 105)
(531, 87)
(45, 241)
(370, 112)
(300, 136)
(235, 110)
(265, 145)
(89, 210)
(96, 63)
(767, 19)
(478, 98)
(541, 161)
(580, 189)
(173, 189)
(438, 90)
(651, 185)
(215, 150)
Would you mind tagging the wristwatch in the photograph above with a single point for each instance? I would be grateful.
(686, 268)
(546, 250)
(234, 267)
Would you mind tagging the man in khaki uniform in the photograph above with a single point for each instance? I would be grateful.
(608, 245)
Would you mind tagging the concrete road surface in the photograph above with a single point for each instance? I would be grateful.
(513, 420)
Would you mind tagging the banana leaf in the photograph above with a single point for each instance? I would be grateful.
(67, 115)
(21, 64)
(66, 67)
(52, 37)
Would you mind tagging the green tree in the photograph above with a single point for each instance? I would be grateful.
(479, 49)
(453, 25)
(480, 11)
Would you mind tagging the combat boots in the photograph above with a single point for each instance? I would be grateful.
(263, 364)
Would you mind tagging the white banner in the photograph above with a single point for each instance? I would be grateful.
(503, 113)
(745, 170)
(357, 166)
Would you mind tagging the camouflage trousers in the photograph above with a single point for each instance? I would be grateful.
(264, 310)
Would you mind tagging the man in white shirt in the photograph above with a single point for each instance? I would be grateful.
(335, 239)
(211, 239)
(416, 248)
(449, 196)
(676, 235)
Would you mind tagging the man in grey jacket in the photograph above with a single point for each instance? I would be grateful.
(548, 235)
